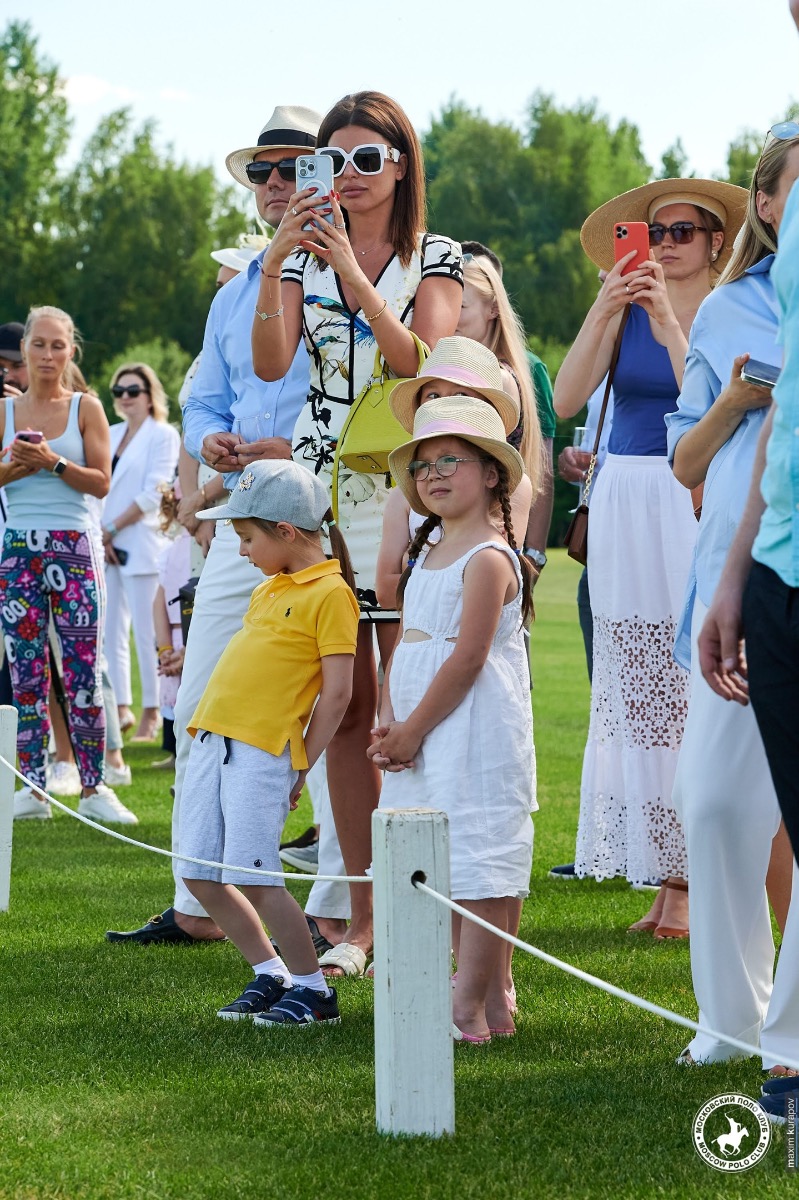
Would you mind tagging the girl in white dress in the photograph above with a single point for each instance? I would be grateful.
(455, 730)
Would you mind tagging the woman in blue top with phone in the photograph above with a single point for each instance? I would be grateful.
(723, 790)
(56, 446)
(352, 272)
(642, 530)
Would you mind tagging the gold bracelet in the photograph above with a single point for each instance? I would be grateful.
(269, 316)
(162, 650)
(202, 493)
(378, 314)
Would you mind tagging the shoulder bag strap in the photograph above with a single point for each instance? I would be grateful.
(614, 359)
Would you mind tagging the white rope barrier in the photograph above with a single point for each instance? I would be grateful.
(610, 988)
(200, 862)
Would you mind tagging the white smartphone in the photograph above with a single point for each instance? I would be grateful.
(316, 171)
(762, 374)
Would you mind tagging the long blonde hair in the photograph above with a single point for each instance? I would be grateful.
(506, 339)
(757, 238)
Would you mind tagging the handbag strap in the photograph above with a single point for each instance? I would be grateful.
(614, 359)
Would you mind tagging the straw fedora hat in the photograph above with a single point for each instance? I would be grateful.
(455, 416)
(725, 200)
(462, 361)
(290, 127)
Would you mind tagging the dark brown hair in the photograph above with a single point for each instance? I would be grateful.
(379, 112)
(502, 495)
(337, 543)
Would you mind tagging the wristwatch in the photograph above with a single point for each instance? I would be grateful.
(537, 557)
(60, 467)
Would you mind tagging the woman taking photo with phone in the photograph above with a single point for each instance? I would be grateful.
(56, 455)
(642, 530)
(145, 452)
(723, 790)
(349, 285)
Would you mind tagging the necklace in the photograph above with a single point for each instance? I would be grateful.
(376, 246)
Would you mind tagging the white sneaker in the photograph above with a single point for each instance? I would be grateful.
(118, 776)
(62, 779)
(28, 807)
(103, 805)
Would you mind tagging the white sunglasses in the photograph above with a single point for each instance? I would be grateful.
(368, 159)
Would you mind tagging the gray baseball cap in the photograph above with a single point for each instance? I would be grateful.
(275, 489)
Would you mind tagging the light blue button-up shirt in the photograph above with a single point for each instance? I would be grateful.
(225, 391)
(734, 319)
(777, 543)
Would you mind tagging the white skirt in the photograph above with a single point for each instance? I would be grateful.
(641, 538)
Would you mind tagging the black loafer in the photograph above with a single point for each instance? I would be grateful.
(161, 928)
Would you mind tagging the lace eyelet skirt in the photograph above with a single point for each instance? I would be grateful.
(642, 534)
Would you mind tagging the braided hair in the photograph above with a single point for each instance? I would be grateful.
(502, 493)
(414, 550)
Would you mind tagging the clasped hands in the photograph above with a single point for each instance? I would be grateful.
(394, 746)
(227, 452)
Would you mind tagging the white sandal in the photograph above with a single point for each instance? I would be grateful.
(350, 960)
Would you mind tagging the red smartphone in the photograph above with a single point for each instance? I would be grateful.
(34, 436)
(631, 235)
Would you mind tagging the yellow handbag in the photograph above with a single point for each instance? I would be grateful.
(371, 431)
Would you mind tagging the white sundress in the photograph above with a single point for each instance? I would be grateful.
(478, 764)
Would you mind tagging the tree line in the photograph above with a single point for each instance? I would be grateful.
(122, 239)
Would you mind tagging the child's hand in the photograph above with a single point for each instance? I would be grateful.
(396, 748)
(296, 791)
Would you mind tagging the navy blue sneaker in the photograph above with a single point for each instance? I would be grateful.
(301, 1007)
(775, 1106)
(257, 997)
(778, 1084)
(565, 872)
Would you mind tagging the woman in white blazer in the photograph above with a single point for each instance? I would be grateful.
(144, 450)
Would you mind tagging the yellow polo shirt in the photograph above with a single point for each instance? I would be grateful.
(264, 687)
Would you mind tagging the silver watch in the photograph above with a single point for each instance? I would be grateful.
(537, 557)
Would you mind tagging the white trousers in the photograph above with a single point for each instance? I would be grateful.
(728, 808)
(222, 598)
(130, 599)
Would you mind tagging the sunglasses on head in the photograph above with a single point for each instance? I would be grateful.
(682, 232)
(133, 390)
(368, 159)
(260, 171)
(446, 465)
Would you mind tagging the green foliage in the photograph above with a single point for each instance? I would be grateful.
(674, 164)
(526, 194)
(34, 130)
(742, 157)
(169, 361)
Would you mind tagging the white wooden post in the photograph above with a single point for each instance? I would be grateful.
(8, 749)
(414, 1073)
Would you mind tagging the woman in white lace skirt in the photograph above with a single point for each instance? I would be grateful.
(642, 531)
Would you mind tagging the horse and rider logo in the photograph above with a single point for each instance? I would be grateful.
(731, 1132)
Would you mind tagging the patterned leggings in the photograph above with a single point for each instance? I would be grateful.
(58, 572)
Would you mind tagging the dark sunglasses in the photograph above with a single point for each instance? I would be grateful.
(259, 171)
(682, 232)
(368, 159)
(133, 391)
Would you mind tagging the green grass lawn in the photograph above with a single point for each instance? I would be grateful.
(117, 1080)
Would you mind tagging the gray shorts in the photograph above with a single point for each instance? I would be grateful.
(233, 811)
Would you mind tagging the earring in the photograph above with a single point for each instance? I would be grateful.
(714, 255)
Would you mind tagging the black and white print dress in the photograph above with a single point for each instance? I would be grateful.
(342, 349)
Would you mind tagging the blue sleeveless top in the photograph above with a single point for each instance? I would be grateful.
(44, 500)
(644, 390)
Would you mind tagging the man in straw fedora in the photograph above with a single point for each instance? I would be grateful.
(232, 419)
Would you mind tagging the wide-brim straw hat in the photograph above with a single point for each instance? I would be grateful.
(462, 417)
(462, 361)
(725, 200)
(290, 127)
(236, 258)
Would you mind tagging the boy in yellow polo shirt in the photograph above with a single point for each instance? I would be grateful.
(293, 656)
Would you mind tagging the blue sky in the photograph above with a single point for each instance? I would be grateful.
(210, 73)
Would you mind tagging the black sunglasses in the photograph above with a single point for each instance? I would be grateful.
(260, 171)
(134, 390)
(682, 232)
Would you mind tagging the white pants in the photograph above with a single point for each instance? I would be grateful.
(222, 598)
(728, 808)
(130, 598)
